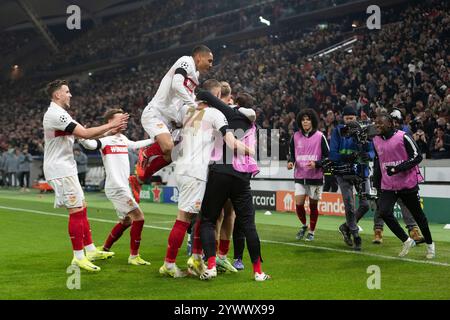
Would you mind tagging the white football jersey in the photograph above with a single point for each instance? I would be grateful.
(59, 161)
(193, 153)
(167, 99)
(114, 151)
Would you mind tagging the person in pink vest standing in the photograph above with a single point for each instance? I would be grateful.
(397, 174)
(309, 147)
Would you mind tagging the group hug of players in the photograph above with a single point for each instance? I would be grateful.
(214, 163)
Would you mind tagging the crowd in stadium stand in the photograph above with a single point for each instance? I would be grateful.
(143, 31)
(404, 65)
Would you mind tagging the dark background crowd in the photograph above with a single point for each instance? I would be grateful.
(404, 65)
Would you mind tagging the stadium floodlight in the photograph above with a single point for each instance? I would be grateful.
(262, 20)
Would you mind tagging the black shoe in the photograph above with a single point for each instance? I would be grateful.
(345, 231)
(301, 232)
(358, 242)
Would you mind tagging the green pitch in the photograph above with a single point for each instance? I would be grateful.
(35, 252)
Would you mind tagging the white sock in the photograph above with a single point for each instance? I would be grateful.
(90, 247)
(79, 254)
(312, 232)
(132, 257)
(223, 257)
(169, 265)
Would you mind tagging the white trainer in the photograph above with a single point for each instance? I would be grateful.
(408, 244)
(431, 251)
(209, 274)
(261, 276)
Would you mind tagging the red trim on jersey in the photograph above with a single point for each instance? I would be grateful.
(190, 84)
(60, 133)
(117, 149)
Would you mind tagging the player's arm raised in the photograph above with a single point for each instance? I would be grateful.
(88, 133)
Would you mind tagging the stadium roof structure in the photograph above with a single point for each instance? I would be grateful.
(12, 13)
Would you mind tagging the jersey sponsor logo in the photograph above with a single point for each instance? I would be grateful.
(190, 84)
(115, 150)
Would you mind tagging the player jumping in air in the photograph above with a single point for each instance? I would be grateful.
(175, 92)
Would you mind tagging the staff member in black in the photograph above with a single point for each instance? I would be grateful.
(224, 182)
(396, 173)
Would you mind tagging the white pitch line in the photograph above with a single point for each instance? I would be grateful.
(442, 264)
(66, 216)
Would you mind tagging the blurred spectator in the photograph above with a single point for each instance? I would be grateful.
(25, 160)
(421, 140)
(82, 160)
(440, 145)
(12, 167)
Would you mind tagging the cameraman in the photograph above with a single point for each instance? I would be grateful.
(344, 151)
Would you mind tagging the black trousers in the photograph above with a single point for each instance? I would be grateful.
(24, 179)
(411, 200)
(330, 184)
(82, 178)
(238, 243)
(219, 188)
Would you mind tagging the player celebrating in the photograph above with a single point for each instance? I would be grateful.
(175, 91)
(309, 147)
(231, 180)
(191, 174)
(60, 170)
(397, 173)
(114, 150)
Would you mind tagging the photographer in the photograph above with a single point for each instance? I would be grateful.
(344, 151)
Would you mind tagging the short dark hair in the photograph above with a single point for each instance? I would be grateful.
(210, 84)
(244, 100)
(385, 115)
(200, 49)
(111, 112)
(55, 86)
(311, 114)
